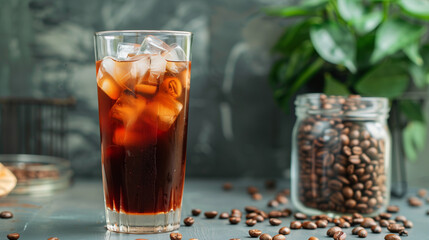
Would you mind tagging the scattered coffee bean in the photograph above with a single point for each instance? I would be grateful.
(395, 228)
(309, 225)
(196, 212)
(344, 225)
(259, 218)
(263, 214)
(273, 203)
(13, 236)
(236, 212)
(356, 230)
(265, 236)
(392, 237)
(6, 214)
(376, 229)
(252, 190)
(300, 216)
(284, 230)
(427, 212)
(234, 239)
(362, 233)
(255, 232)
(270, 184)
(295, 225)
(234, 220)
(275, 221)
(332, 231)
(313, 238)
(193, 238)
(224, 215)
(175, 236)
(286, 212)
(408, 224)
(368, 222)
(257, 196)
(279, 237)
(250, 209)
(340, 235)
(422, 193)
(189, 221)
(250, 222)
(227, 186)
(400, 218)
(385, 215)
(392, 209)
(414, 202)
(281, 199)
(384, 223)
(403, 233)
(210, 214)
(275, 214)
(322, 223)
(55, 238)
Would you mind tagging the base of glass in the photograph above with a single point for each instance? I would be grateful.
(140, 224)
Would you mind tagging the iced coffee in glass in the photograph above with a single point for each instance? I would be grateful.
(143, 80)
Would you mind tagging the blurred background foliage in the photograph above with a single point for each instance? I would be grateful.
(372, 48)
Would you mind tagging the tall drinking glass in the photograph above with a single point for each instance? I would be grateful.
(143, 80)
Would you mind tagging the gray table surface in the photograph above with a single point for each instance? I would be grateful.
(78, 213)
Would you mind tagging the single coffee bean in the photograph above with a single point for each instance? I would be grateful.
(55, 238)
(236, 212)
(309, 225)
(175, 236)
(282, 199)
(368, 222)
(227, 186)
(400, 218)
(362, 233)
(224, 215)
(313, 238)
(356, 230)
(300, 216)
(256, 196)
(275, 221)
(250, 222)
(340, 235)
(284, 230)
(286, 212)
(265, 236)
(395, 228)
(234, 220)
(344, 225)
(279, 237)
(196, 212)
(376, 229)
(384, 223)
(252, 190)
(259, 218)
(414, 202)
(210, 214)
(385, 215)
(251, 209)
(295, 225)
(391, 221)
(422, 193)
(392, 237)
(275, 214)
(189, 221)
(403, 233)
(234, 239)
(6, 214)
(255, 232)
(263, 214)
(322, 223)
(408, 224)
(13, 236)
(193, 238)
(251, 215)
(273, 203)
(392, 209)
(332, 231)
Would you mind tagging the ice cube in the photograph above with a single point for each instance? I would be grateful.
(162, 111)
(128, 109)
(153, 45)
(140, 68)
(126, 50)
(175, 59)
(157, 69)
(131, 138)
(109, 86)
(145, 89)
(172, 87)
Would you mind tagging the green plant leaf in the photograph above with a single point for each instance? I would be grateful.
(307, 7)
(350, 10)
(293, 37)
(414, 138)
(368, 22)
(412, 110)
(416, 8)
(334, 87)
(412, 51)
(385, 80)
(419, 75)
(394, 35)
(335, 44)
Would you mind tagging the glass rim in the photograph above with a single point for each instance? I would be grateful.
(126, 32)
(316, 96)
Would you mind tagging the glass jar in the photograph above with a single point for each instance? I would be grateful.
(341, 155)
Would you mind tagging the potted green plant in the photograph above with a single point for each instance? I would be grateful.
(371, 48)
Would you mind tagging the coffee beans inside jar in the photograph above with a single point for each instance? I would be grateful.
(342, 149)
